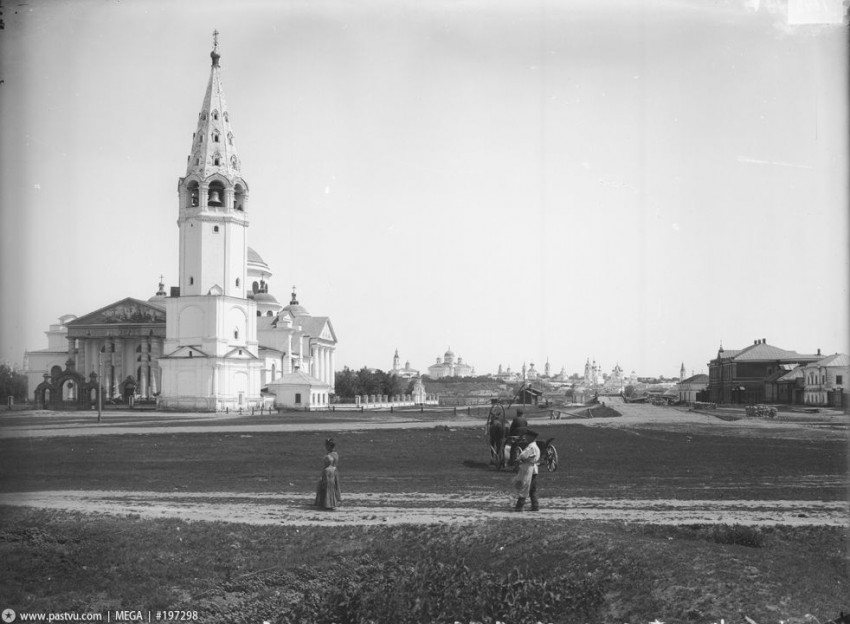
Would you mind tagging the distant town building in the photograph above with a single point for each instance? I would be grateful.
(691, 390)
(739, 375)
(825, 381)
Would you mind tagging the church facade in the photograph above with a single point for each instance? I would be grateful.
(219, 340)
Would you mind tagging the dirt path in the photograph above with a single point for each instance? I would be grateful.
(295, 509)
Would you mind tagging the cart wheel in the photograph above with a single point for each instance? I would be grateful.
(552, 458)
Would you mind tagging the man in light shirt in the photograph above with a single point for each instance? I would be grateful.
(526, 479)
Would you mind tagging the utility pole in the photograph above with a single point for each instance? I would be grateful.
(99, 384)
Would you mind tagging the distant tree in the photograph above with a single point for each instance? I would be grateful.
(346, 383)
(12, 384)
(629, 391)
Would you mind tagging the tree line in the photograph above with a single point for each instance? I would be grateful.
(350, 383)
(12, 384)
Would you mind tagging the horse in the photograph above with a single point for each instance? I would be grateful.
(497, 435)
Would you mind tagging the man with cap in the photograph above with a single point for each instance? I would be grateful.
(526, 479)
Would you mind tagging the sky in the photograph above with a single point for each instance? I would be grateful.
(631, 182)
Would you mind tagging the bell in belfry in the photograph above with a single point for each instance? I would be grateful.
(215, 199)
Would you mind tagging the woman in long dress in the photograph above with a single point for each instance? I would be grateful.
(327, 493)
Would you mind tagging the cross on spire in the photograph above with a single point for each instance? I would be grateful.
(215, 39)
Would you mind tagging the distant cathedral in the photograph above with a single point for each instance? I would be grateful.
(217, 341)
(448, 367)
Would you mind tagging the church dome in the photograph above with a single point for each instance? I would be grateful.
(264, 297)
(294, 308)
(257, 266)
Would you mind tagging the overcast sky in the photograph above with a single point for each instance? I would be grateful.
(631, 182)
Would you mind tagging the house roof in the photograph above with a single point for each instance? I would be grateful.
(695, 379)
(837, 359)
(763, 352)
(796, 373)
(298, 378)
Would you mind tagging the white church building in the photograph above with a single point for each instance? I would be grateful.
(218, 341)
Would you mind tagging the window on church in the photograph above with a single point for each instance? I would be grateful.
(215, 115)
(216, 137)
(236, 334)
(237, 282)
(297, 398)
(215, 228)
(191, 280)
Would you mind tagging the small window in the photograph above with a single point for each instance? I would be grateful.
(217, 161)
(839, 379)
(297, 398)
(215, 228)
(237, 282)
(236, 334)
(191, 280)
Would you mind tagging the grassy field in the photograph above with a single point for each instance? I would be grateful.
(552, 571)
(630, 463)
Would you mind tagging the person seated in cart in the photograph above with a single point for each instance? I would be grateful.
(519, 425)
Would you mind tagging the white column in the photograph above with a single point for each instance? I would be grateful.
(333, 375)
(288, 368)
(324, 364)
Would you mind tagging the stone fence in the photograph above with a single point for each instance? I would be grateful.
(385, 401)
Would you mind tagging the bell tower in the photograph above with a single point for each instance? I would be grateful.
(213, 201)
(211, 351)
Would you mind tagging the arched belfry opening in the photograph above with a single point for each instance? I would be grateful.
(193, 193)
(215, 194)
(239, 197)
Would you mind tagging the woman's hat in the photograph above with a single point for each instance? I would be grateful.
(530, 433)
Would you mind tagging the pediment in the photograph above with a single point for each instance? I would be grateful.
(327, 332)
(126, 311)
(187, 352)
(240, 353)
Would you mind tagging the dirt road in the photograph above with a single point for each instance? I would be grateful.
(295, 509)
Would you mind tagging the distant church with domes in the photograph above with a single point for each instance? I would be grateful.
(448, 367)
(218, 341)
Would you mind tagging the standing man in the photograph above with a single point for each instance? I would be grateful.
(526, 479)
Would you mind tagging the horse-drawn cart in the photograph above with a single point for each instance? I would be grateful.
(504, 448)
